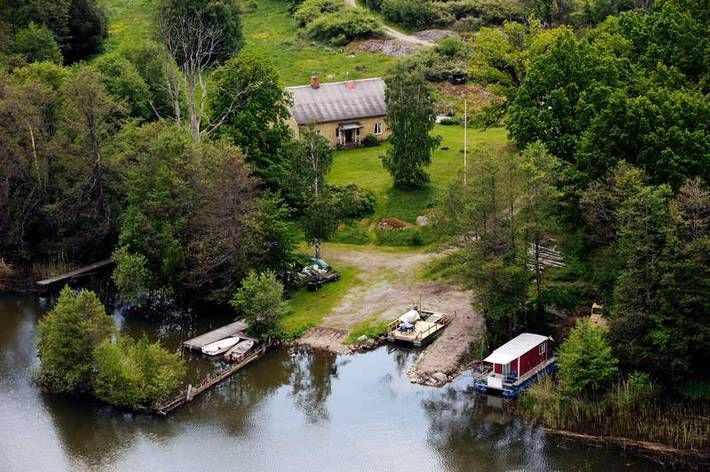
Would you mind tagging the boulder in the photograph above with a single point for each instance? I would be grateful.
(440, 377)
(362, 339)
(422, 220)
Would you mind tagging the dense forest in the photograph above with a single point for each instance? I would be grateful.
(173, 156)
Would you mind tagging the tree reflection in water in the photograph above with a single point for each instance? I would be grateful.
(310, 380)
(463, 426)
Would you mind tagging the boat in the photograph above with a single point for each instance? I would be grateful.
(238, 350)
(218, 347)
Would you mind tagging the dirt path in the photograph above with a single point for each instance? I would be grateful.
(394, 34)
(387, 284)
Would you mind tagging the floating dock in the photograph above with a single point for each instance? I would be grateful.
(424, 330)
(188, 394)
(82, 271)
(233, 329)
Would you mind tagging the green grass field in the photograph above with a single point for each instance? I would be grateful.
(309, 308)
(362, 166)
(269, 31)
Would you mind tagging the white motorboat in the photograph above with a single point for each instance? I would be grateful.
(239, 350)
(218, 347)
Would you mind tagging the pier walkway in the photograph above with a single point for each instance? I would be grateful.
(76, 273)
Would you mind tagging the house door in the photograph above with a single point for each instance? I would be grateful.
(348, 136)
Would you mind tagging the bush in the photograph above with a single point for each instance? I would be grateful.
(371, 140)
(133, 373)
(68, 336)
(310, 10)
(36, 43)
(450, 121)
(341, 28)
(353, 202)
(260, 301)
(586, 361)
(132, 278)
(415, 14)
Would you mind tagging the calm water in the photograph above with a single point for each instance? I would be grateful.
(291, 410)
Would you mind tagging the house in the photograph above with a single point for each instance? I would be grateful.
(344, 112)
(516, 364)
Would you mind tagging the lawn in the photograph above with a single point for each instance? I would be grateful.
(363, 167)
(309, 308)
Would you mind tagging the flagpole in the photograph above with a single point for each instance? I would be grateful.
(465, 141)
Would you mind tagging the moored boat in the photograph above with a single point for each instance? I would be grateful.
(238, 350)
(218, 347)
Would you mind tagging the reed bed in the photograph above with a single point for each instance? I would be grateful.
(625, 411)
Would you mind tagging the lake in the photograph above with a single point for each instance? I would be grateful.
(291, 410)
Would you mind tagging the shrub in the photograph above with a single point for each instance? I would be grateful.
(133, 373)
(343, 27)
(260, 301)
(352, 201)
(132, 278)
(68, 336)
(586, 361)
(313, 9)
(371, 141)
(37, 43)
(410, 13)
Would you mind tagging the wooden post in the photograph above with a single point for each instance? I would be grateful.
(465, 141)
(188, 395)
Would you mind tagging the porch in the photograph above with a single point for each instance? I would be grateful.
(349, 134)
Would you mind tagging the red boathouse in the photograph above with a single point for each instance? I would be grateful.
(516, 364)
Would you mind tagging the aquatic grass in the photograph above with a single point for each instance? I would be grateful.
(622, 412)
(309, 308)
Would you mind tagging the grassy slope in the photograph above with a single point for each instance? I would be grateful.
(272, 32)
(363, 167)
(129, 22)
(269, 30)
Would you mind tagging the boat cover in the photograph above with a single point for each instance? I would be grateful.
(412, 316)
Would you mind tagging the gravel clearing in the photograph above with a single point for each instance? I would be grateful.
(387, 286)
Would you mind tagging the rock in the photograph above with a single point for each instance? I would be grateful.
(422, 220)
(370, 343)
(362, 339)
(440, 377)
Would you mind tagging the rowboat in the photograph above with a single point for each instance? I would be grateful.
(218, 347)
(239, 350)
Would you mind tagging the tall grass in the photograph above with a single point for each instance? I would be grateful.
(625, 411)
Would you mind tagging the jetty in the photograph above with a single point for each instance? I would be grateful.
(190, 392)
(81, 271)
(232, 329)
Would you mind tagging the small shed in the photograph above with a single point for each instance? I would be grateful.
(520, 355)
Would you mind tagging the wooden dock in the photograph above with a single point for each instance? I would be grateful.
(424, 330)
(232, 329)
(189, 393)
(81, 271)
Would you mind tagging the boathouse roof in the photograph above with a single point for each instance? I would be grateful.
(338, 101)
(515, 348)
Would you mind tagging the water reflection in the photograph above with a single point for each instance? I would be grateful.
(291, 410)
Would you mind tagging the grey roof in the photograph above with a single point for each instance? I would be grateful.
(338, 102)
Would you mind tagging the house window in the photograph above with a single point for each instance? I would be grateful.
(378, 128)
(541, 348)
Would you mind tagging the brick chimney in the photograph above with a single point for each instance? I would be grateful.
(315, 81)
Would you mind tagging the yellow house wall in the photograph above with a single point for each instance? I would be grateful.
(328, 129)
